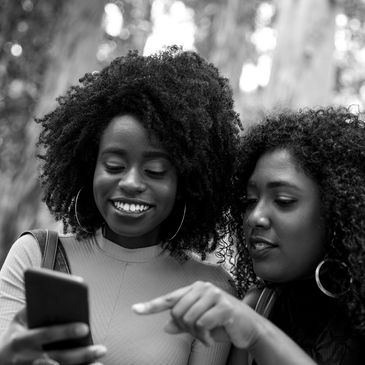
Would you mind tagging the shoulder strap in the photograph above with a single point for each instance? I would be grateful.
(49, 256)
(264, 305)
(266, 302)
(61, 263)
(53, 253)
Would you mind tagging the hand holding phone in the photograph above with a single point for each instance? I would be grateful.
(56, 298)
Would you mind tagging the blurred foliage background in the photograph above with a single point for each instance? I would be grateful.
(277, 54)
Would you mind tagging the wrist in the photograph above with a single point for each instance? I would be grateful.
(247, 329)
(270, 345)
(260, 332)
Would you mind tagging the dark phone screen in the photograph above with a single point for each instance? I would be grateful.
(56, 298)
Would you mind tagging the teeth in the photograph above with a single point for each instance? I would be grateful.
(134, 208)
(261, 245)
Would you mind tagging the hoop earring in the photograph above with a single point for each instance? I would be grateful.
(181, 223)
(341, 267)
(75, 211)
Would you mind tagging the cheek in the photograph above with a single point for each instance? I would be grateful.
(300, 228)
(305, 240)
(101, 186)
(245, 224)
(167, 195)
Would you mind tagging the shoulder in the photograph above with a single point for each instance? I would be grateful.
(206, 268)
(354, 351)
(252, 296)
(67, 238)
(24, 253)
(337, 344)
(71, 243)
(207, 271)
(26, 248)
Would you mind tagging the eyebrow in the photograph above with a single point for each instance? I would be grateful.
(147, 154)
(275, 184)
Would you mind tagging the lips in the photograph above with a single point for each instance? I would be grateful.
(260, 244)
(131, 207)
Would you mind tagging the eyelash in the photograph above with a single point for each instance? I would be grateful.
(119, 168)
(285, 202)
(249, 202)
(155, 173)
(114, 168)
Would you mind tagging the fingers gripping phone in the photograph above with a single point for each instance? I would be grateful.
(56, 298)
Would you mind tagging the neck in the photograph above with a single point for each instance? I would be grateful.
(130, 242)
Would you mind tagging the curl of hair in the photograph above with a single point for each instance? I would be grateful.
(179, 98)
(329, 145)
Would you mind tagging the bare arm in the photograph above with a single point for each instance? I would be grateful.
(210, 314)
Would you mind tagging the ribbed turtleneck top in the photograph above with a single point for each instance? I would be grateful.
(117, 278)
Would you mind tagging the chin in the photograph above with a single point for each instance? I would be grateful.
(269, 275)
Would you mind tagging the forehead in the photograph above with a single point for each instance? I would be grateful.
(128, 130)
(280, 166)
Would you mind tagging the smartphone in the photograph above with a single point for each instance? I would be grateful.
(56, 298)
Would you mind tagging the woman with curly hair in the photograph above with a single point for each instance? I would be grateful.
(136, 163)
(300, 210)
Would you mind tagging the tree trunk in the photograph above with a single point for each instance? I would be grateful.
(227, 41)
(139, 22)
(223, 36)
(303, 72)
(136, 27)
(76, 40)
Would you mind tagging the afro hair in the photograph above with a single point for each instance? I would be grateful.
(329, 145)
(179, 98)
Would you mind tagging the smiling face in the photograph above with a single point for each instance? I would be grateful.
(283, 224)
(134, 183)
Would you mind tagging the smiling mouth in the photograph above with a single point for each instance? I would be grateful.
(258, 244)
(131, 208)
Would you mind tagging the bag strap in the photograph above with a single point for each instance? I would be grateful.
(61, 263)
(266, 301)
(53, 253)
(264, 306)
(49, 256)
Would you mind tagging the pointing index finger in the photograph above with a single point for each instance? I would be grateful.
(162, 303)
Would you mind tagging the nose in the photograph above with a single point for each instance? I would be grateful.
(258, 217)
(132, 182)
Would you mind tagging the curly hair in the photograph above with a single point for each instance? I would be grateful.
(182, 100)
(329, 145)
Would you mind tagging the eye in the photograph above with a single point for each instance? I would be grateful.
(156, 168)
(285, 202)
(250, 201)
(155, 173)
(114, 167)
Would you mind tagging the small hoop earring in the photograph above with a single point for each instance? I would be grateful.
(76, 216)
(341, 266)
(181, 223)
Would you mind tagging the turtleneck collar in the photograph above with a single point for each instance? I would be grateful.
(121, 253)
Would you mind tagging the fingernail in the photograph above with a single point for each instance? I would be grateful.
(99, 350)
(82, 329)
(139, 307)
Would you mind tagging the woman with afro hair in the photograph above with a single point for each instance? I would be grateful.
(300, 208)
(137, 162)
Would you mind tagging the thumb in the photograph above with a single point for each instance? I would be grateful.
(21, 317)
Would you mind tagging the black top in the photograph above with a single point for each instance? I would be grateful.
(317, 324)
